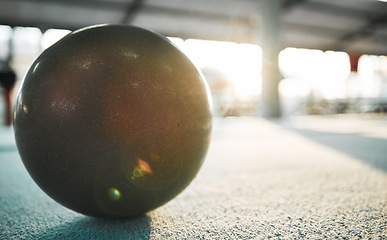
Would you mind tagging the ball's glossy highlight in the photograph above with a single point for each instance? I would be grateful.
(113, 121)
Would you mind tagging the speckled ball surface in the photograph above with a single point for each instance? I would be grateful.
(113, 121)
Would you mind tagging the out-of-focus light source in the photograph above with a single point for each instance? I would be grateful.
(51, 36)
(239, 63)
(307, 70)
(26, 43)
(5, 36)
(382, 0)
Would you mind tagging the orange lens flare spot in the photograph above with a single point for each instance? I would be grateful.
(144, 166)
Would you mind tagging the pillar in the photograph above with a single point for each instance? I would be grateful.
(271, 43)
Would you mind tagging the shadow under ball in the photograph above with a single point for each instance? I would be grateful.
(113, 121)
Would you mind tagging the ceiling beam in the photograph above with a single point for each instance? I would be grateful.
(43, 26)
(304, 29)
(338, 10)
(79, 3)
(137, 5)
(132, 10)
(196, 14)
(289, 4)
(366, 31)
(309, 29)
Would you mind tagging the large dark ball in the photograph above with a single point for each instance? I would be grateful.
(113, 121)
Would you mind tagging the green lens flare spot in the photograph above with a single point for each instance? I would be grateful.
(114, 194)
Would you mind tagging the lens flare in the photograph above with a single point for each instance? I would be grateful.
(144, 166)
(114, 194)
(138, 172)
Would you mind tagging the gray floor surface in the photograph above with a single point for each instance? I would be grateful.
(296, 178)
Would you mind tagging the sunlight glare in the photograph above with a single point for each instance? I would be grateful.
(324, 73)
(5, 36)
(240, 63)
(370, 76)
(51, 36)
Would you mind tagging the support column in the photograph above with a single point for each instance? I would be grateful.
(271, 43)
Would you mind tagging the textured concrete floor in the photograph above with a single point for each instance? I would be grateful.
(303, 177)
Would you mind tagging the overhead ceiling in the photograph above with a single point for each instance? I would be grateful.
(346, 25)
